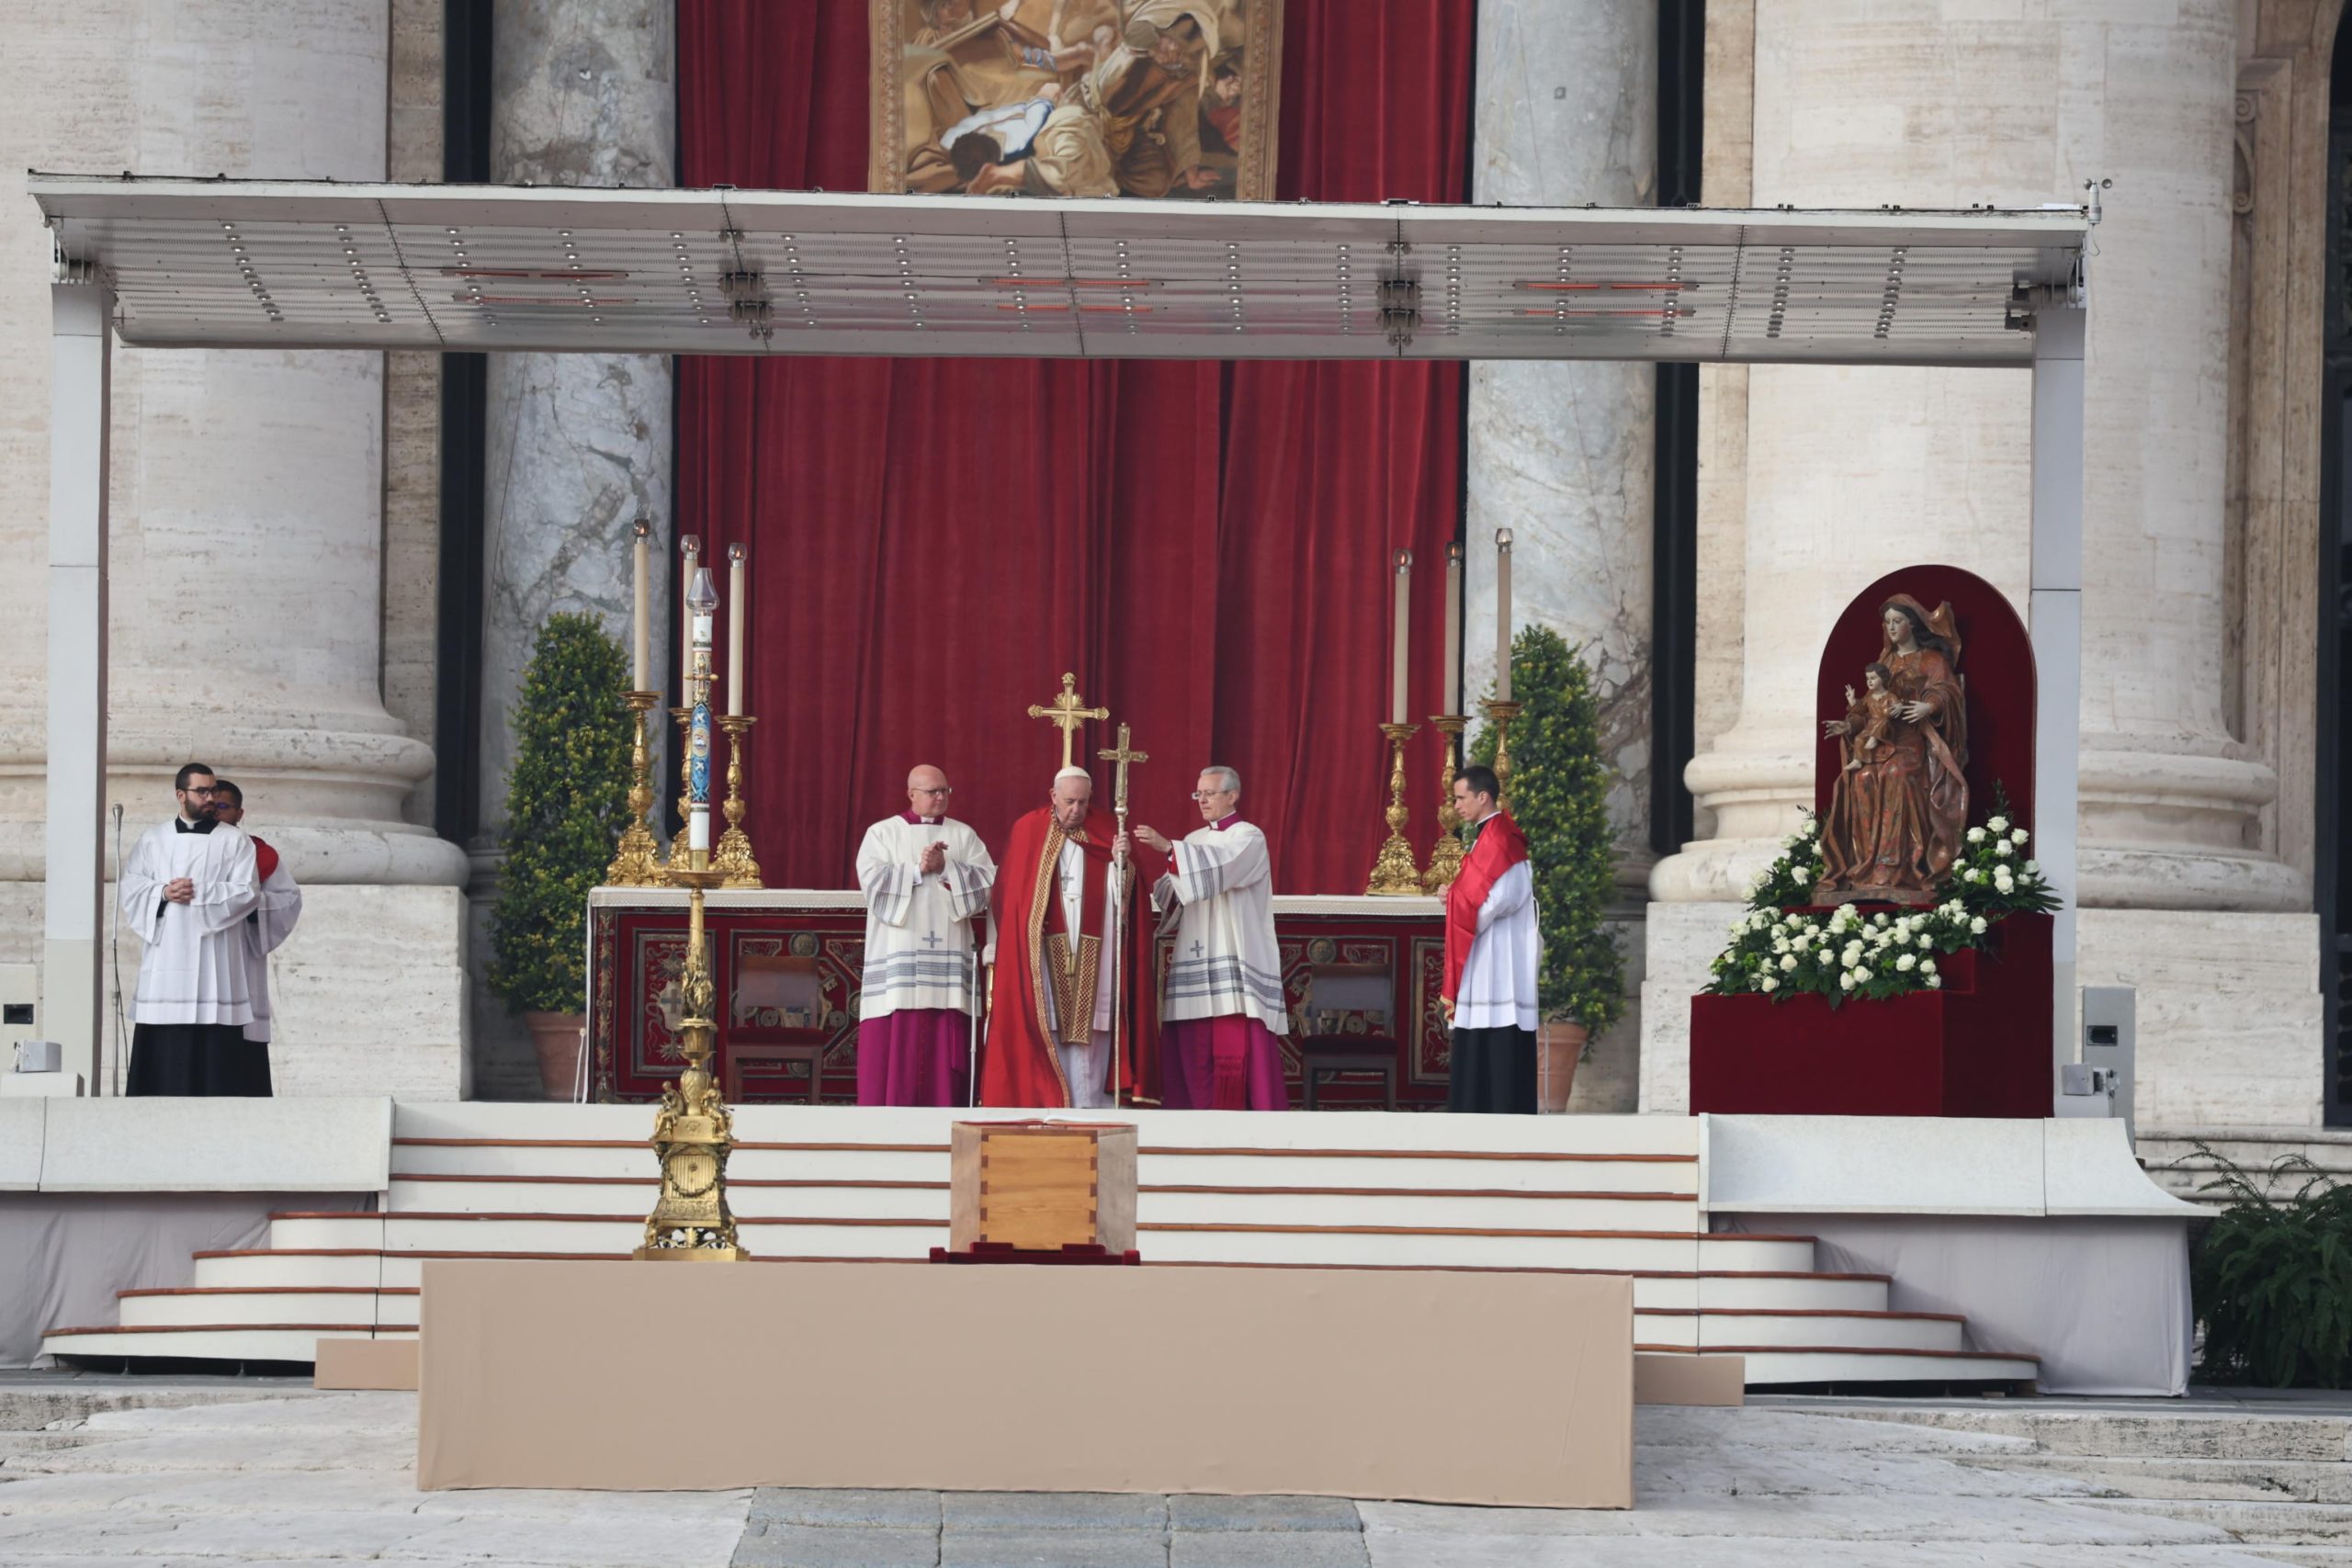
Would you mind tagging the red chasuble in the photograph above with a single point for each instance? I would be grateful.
(1020, 1066)
(1499, 846)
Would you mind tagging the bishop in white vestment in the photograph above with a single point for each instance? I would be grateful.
(1222, 1011)
(186, 887)
(926, 877)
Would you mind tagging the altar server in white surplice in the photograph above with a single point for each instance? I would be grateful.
(273, 912)
(1222, 1013)
(926, 876)
(186, 889)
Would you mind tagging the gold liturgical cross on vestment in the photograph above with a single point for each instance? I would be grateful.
(1066, 713)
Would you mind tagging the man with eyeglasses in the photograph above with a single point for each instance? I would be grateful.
(1222, 1009)
(186, 889)
(926, 877)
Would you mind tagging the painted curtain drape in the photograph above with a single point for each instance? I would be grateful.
(933, 542)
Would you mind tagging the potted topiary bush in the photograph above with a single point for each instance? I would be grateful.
(1558, 792)
(566, 803)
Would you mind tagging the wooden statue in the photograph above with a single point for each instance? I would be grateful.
(1901, 803)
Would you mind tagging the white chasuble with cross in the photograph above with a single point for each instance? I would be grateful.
(1225, 959)
(919, 927)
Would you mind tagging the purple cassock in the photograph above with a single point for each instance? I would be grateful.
(915, 1057)
(1228, 1063)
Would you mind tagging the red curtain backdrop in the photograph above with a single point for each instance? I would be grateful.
(1206, 546)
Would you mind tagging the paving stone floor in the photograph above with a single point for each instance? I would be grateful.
(203, 1473)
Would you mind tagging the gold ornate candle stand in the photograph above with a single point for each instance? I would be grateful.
(684, 719)
(636, 861)
(1396, 873)
(1499, 715)
(1445, 855)
(692, 1131)
(733, 860)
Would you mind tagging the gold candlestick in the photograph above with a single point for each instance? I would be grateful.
(1499, 715)
(636, 859)
(733, 859)
(1395, 873)
(694, 1132)
(1445, 855)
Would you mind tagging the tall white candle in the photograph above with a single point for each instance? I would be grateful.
(1453, 627)
(691, 548)
(738, 608)
(641, 625)
(1502, 615)
(1401, 661)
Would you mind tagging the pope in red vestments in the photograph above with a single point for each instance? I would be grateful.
(1053, 997)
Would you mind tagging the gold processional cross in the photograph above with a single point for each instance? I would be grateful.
(1121, 754)
(1066, 714)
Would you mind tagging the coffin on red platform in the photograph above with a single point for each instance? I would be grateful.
(1981, 1046)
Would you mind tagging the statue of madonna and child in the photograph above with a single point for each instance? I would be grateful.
(1901, 802)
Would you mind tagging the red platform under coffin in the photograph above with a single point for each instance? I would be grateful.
(1978, 1047)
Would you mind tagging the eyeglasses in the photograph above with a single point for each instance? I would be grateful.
(208, 789)
(1209, 794)
(944, 789)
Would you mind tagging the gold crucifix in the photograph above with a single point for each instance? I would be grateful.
(1066, 713)
(1121, 754)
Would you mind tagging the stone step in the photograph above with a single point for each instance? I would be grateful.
(2298, 1523)
(2172, 1434)
(2188, 1480)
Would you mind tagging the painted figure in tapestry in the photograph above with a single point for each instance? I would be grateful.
(1901, 801)
(1147, 98)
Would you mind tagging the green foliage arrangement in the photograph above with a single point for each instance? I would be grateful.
(2272, 1278)
(1780, 951)
(1559, 795)
(567, 800)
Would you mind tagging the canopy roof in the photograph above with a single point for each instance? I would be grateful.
(234, 263)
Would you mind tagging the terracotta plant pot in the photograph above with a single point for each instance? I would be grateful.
(1558, 1048)
(556, 1037)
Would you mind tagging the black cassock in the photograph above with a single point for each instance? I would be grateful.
(196, 1058)
(1492, 1070)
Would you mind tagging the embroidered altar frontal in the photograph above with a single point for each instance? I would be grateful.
(1360, 981)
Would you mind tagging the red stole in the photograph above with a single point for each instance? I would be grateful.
(1498, 847)
(1022, 1065)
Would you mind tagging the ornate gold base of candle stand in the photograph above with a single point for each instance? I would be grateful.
(1499, 715)
(1445, 855)
(692, 1131)
(636, 859)
(1395, 872)
(733, 860)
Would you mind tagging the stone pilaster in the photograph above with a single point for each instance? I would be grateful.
(1560, 452)
(579, 445)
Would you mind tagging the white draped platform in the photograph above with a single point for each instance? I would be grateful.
(1823, 1250)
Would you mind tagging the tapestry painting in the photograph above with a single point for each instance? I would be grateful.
(1151, 99)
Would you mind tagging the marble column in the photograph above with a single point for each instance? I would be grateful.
(579, 445)
(1932, 465)
(246, 501)
(1560, 452)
